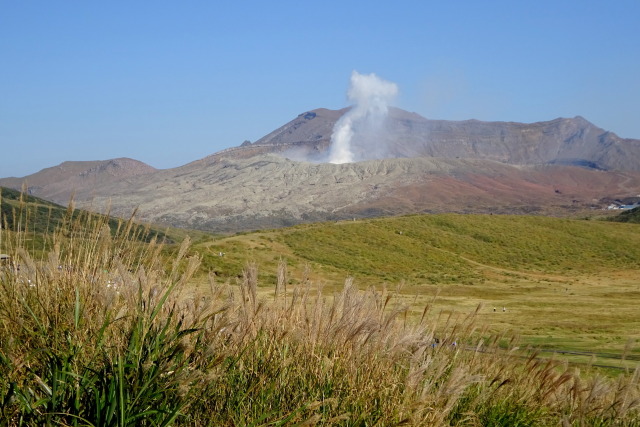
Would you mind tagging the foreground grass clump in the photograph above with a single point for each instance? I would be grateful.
(102, 330)
(90, 332)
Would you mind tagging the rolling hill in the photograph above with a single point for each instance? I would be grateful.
(632, 216)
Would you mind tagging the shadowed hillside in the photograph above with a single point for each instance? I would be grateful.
(632, 216)
(24, 213)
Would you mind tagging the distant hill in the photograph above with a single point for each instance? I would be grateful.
(59, 183)
(33, 214)
(631, 215)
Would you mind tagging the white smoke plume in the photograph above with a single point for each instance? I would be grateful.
(356, 136)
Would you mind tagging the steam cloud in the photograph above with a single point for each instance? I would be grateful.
(357, 135)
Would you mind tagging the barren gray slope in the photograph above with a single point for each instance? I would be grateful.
(270, 191)
(264, 189)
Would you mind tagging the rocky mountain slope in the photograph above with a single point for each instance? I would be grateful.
(555, 167)
(264, 191)
(572, 141)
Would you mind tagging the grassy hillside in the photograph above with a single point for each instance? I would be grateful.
(632, 216)
(38, 215)
(552, 276)
(21, 212)
(436, 249)
(9, 194)
(446, 248)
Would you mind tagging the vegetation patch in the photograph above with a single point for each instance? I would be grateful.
(29, 214)
(106, 328)
(455, 244)
(631, 216)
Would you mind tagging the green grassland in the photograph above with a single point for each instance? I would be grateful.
(564, 283)
(440, 249)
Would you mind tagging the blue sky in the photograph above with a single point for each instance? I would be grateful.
(169, 82)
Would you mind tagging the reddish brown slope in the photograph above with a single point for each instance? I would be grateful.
(559, 190)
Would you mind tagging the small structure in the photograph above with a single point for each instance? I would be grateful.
(4, 258)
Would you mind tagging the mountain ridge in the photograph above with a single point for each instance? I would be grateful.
(558, 167)
(561, 140)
